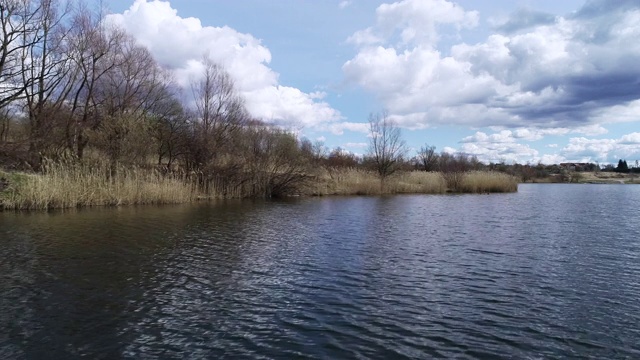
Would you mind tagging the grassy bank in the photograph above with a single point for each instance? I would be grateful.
(69, 185)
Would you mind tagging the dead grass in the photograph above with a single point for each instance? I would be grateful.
(361, 182)
(418, 182)
(347, 181)
(602, 177)
(488, 182)
(66, 185)
(69, 185)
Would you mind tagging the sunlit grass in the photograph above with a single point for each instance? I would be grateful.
(66, 185)
(71, 184)
(487, 182)
(362, 182)
(418, 182)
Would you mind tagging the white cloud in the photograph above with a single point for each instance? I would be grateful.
(497, 148)
(630, 139)
(603, 150)
(531, 134)
(629, 112)
(360, 145)
(505, 145)
(180, 43)
(551, 159)
(339, 128)
(574, 72)
(418, 20)
(344, 4)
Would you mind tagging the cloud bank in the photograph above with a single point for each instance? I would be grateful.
(535, 71)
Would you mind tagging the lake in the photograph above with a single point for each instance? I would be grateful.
(552, 271)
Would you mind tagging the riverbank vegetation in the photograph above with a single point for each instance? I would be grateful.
(88, 117)
(67, 185)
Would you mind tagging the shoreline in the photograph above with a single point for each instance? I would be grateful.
(60, 190)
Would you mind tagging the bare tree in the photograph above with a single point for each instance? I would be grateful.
(170, 130)
(386, 146)
(91, 47)
(134, 82)
(428, 157)
(125, 96)
(18, 21)
(46, 76)
(219, 111)
(5, 123)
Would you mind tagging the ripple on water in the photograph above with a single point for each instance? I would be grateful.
(537, 274)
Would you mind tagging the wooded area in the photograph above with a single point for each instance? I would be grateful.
(75, 87)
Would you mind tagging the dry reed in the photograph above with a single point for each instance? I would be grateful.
(361, 182)
(351, 181)
(67, 185)
(70, 184)
(488, 182)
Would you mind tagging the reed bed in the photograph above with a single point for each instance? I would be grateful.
(68, 185)
(71, 184)
(488, 182)
(362, 182)
(348, 181)
(351, 181)
(419, 182)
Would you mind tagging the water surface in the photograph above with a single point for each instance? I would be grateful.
(552, 271)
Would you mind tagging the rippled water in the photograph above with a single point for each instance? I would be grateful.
(552, 271)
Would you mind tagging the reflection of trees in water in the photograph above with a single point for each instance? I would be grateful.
(74, 276)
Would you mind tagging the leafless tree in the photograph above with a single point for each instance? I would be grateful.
(170, 130)
(386, 146)
(134, 81)
(428, 157)
(91, 47)
(44, 68)
(219, 110)
(18, 21)
(5, 123)
(125, 96)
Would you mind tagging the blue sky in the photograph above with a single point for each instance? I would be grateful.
(526, 81)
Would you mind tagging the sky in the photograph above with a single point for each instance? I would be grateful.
(506, 80)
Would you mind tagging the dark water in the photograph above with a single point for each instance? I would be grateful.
(550, 272)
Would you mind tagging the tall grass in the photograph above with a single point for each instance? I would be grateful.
(347, 181)
(417, 182)
(361, 182)
(66, 185)
(70, 184)
(487, 182)
(351, 181)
